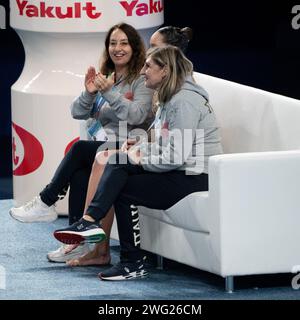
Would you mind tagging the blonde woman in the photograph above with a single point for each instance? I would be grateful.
(157, 174)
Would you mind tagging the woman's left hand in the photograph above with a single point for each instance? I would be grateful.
(128, 144)
(134, 154)
(102, 83)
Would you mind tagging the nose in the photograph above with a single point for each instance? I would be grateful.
(142, 72)
(118, 46)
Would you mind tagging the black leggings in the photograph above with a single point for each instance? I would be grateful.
(74, 172)
(126, 186)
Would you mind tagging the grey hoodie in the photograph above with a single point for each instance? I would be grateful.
(129, 102)
(186, 120)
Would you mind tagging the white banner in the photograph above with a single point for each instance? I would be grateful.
(85, 15)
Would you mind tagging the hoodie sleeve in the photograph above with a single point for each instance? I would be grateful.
(133, 108)
(82, 106)
(176, 139)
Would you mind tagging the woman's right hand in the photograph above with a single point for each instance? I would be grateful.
(128, 144)
(89, 80)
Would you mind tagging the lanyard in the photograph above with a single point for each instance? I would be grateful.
(100, 100)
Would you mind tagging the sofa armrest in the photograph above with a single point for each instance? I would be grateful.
(254, 200)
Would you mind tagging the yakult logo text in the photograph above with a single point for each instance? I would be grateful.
(141, 9)
(42, 10)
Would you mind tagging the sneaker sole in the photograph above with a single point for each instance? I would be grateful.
(68, 237)
(40, 219)
(132, 275)
(66, 257)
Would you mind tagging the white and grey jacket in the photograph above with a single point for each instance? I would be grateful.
(125, 102)
(186, 133)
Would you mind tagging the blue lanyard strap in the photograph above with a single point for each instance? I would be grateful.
(100, 100)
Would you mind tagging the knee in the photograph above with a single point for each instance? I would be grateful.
(78, 146)
(78, 149)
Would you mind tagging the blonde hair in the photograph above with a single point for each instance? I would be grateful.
(178, 68)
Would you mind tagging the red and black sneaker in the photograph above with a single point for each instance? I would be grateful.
(82, 231)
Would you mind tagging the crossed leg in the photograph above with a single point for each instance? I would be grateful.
(100, 255)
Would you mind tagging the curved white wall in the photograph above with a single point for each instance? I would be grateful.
(61, 39)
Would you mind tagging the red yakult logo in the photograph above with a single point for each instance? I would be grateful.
(42, 10)
(27, 151)
(141, 9)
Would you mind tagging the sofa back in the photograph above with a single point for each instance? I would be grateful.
(252, 119)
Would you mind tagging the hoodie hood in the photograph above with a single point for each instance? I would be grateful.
(190, 85)
(188, 109)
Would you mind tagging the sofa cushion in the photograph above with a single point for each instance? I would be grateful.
(189, 213)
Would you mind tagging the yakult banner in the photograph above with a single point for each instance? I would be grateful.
(61, 39)
(83, 16)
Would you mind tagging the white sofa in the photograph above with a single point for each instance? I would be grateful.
(249, 220)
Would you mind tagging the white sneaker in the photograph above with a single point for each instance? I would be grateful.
(60, 254)
(34, 211)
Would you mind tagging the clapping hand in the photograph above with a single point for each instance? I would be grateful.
(89, 80)
(103, 83)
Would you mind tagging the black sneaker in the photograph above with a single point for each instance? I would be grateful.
(80, 232)
(125, 270)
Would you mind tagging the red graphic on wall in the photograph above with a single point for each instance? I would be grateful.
(70, 145)
(33, 154)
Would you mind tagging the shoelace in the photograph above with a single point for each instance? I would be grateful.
(30, 204)
(33, 202)
(128, 267)
(65, 248)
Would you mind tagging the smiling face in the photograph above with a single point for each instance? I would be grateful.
(154, 74)
(119, 49)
